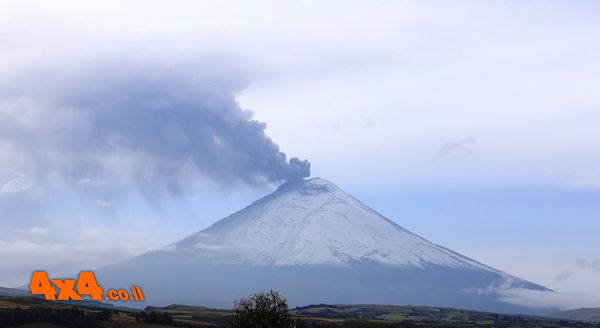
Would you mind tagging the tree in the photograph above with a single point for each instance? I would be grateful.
(262, 310)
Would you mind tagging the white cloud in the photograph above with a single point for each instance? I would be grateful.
(17, 184)
(547, 299)
(91, 182)
(17, 247)
(112, 233)
(103, 203)
(60, 259)
(34, 231)
(574, 282)
(208, 247)
(541, 299)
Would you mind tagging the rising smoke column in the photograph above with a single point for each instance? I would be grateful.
(148, 124)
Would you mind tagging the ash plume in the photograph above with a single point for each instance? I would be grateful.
(144, 123)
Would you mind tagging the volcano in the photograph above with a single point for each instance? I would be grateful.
(314, 243)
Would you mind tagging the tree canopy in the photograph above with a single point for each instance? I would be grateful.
(262, 310)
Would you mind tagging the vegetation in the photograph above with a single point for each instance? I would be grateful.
(154, 317)
(72, 317)
(28, 312)
(262, 310)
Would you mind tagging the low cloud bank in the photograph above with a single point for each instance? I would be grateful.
(510, 291)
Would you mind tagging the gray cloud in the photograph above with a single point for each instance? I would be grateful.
(464, 146)
(159, 127)
(563, 277)
(584, 264)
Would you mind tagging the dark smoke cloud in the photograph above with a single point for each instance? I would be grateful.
(148, 124)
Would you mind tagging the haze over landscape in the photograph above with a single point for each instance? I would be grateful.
(127, 128)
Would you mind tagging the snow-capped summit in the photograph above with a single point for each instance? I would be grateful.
(313, 222)
(316, 244)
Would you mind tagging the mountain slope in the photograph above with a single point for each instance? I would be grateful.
(314, 222)
(5, 291)
(583, 314)
(316, 244)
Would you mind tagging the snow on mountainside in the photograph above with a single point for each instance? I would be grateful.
(316, 244)
(311, 222)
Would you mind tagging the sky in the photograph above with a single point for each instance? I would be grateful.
(470, 123)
